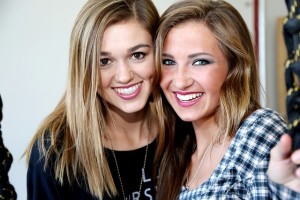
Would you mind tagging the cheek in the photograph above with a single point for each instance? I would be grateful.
(151, 68)
(151, 72)
(214, 79)
(147, 72)
(164, 80)
(214, 85)
(103, 81)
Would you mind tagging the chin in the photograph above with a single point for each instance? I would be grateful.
(187, 118)
(134, 108)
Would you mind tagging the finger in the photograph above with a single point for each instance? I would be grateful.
(296, 157)
(283, 149)
(298, 172)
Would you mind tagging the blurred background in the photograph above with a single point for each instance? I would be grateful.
(34, 44)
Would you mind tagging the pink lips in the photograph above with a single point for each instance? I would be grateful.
(190, 98)
(128, 92)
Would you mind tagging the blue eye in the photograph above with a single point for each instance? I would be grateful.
(201, 62)
(138, 55)
(168, 62)
(104, 62)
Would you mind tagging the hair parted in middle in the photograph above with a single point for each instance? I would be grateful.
(240, 93)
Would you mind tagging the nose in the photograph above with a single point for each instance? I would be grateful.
(124, 73)
(182, 78)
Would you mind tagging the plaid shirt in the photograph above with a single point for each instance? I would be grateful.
(241, 174)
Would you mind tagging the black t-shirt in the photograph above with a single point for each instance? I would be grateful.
(41, 184)
(130, 164)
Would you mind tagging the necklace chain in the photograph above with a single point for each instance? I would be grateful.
(144, 163)
(200, 164)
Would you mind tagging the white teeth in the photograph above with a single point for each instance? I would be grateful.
(129, 90)
(188, 97)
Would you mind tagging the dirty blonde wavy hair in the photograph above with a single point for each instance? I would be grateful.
(239, 95)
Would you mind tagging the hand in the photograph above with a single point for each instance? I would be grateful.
(283, 164)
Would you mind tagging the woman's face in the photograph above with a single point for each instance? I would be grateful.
(193, 71)
(127, 66)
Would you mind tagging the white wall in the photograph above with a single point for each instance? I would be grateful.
(34, 42)
(269, 29)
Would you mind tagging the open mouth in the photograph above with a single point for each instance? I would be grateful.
(129, 90)
(188, 97)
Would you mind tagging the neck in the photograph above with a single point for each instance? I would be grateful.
(208, 154)
(206, 131)
(129, 132)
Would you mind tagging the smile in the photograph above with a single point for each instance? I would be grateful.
(188, 97)
(128, 90)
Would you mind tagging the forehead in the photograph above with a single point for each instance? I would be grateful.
(193, 34)
(128, 32)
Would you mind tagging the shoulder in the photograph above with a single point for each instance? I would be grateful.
(258, 134)
(37, 171)
(263, 124)
(41, 182)
(266, 115)
(42, 154)
(37, 156)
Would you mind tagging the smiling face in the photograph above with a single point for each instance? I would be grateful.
(193, 71)
(127, 67)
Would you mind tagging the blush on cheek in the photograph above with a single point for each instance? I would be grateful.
(164, 81)
(151, 75)
(152, 70)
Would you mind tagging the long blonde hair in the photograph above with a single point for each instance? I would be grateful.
(72, 134)
(240, 92)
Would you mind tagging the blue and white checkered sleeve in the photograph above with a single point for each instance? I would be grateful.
(266, 131)
(280, 192)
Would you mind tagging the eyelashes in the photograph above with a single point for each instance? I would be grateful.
(168, 62)
(138, 55)
(135, 57)
(201, 62)
(197, 62)
(104, 62)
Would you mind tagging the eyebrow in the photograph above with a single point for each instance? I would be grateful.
(132, 49)
(189, 56)
(167, 55)
(199, 54)
(196, 54)
(104, 53)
